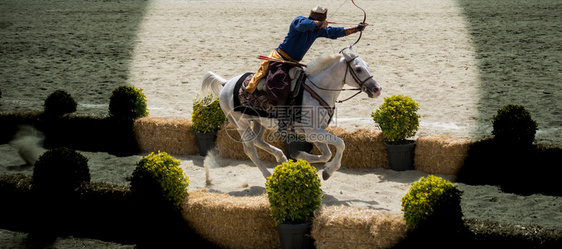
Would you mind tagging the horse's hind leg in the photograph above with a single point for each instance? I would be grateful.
(262, 144)
(248, 136)
(248, 139)
(252, 153)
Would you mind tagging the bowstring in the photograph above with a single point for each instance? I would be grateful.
(330, 17)
(337, 9)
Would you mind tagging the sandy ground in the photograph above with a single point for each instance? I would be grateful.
(461, 60)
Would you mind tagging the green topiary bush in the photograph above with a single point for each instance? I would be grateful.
(513, 125)
(294, 192)
(59, 103)
(207, 115)
(159, 177)
(397, 118)
(127, 102)
(60, 170)
(432, 201)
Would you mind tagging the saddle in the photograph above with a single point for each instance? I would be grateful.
(256, 103)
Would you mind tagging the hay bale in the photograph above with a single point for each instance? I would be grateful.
(173, 136)
(441, 154)
(363, 148)
(231, 222)
(351, 227)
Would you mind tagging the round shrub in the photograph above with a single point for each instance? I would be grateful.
(60, 170)
(294, 192)
(127, 102)
(207, 115)
(159, 177)
(513, 125)
(432, 201)
(397, 118)
(60, 102)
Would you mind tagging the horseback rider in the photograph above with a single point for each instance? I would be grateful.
(302, 34)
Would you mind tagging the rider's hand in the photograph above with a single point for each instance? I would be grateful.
(361, 26)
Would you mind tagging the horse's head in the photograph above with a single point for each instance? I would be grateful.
(361, 77)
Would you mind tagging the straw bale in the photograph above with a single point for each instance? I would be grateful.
(363, 148)
(231, 222)
(173, 136)
(441, 154)
(352, 227)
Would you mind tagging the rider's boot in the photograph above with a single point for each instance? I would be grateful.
(283, 118)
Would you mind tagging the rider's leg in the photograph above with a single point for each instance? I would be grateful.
(283, 117)
(278, 88)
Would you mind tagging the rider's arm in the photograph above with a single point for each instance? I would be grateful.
(303, 24)
(360, 27)
(336, 32)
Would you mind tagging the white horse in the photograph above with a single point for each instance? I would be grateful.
(327, 75)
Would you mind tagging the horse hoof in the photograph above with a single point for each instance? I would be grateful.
(325, 175)
(282, 160)
(295, 155)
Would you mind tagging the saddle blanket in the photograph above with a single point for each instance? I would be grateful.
(256, 103)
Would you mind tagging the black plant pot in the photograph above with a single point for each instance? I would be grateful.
(401, 156)
(205, 141)
(295, 236)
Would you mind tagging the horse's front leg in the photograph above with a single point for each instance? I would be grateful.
(325, 155)
(323, 137)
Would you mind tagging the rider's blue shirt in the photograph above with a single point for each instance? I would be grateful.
(302, 35)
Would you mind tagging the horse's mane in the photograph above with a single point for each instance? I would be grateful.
(322, 62)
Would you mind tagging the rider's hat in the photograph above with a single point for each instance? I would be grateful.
(318, 13)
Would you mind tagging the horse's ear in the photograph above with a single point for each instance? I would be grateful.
(348, 53)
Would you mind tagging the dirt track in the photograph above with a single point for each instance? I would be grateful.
(461, 60)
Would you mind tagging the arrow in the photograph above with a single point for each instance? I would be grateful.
(345, 23)
(261, 57)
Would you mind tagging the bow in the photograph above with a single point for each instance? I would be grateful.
(363, 22)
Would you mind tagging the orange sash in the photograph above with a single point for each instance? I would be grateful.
(264, 68)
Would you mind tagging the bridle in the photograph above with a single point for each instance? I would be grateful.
(349, 69)
(354, 74)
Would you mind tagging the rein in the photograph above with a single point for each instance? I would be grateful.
(335, 90)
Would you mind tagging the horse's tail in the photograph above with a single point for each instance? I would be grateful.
(212, 84)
